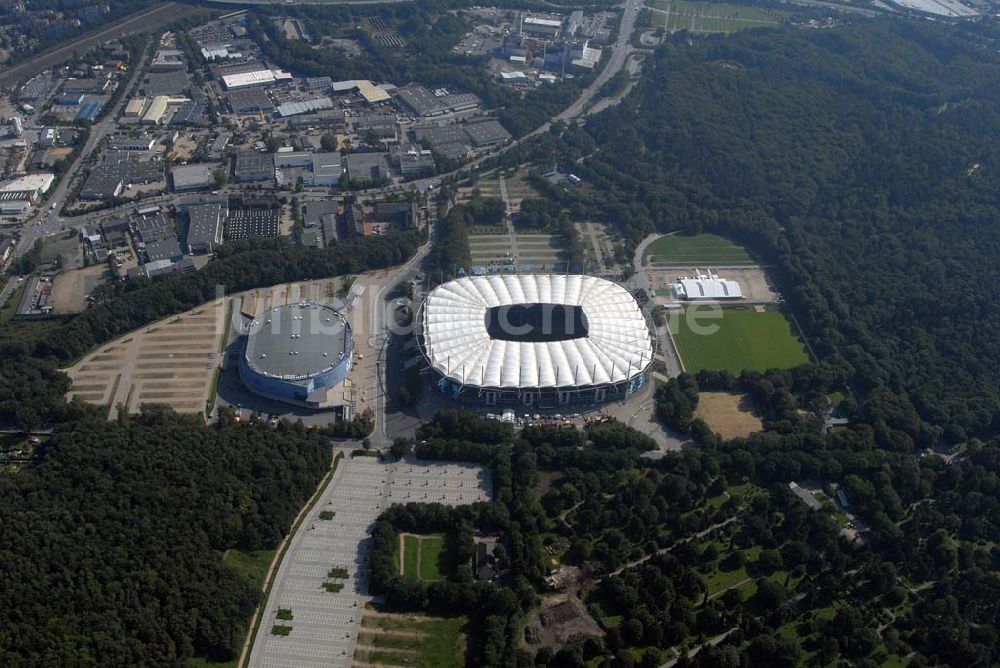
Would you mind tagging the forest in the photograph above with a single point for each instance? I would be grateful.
(113, 543)
(863, 163)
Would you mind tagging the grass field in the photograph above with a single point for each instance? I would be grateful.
(411, 640)
(700, 250)
(745, 339)
(423, 558)
(707, 17)
(250, 565)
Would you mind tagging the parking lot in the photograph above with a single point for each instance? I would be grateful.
(324, 624)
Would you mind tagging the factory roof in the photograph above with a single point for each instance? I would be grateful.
(372, 93)
(193, 176)
(39, 183)
(304, 106)
(519, 331)
(205, 222)
(297, 341)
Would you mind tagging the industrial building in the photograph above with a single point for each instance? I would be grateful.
(205, 226)
(540, 340)
(253, 167)
(706, 287)
(108, 178)
(134, 107)
(297, 353)
(193, 177)
(304, 106)
(143, 142)
(315, 169)
(250, 101)
(426, 103)
(319, 223)
(365, 168)
(37, 184)
(157, 109)
(259, 77)
(487, 133)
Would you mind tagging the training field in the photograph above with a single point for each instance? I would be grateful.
(700, 250)
(410, 640)
(709, 17)
(746, 339)
(422, 557)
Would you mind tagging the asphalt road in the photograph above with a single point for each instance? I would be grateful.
(150, 19)
(47, 220)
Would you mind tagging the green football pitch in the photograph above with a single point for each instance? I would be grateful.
(745, 339)
(700, 250)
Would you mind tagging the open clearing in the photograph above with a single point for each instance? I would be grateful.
(729, 415)
(422, 557)
(410, 640)
(710, 17)
(700, 250)
(741, 339)
(535, 252)
(70, 288)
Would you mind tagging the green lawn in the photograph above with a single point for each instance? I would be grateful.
(740, 339)
(700, 250)
(439, 641)
(430, 566)
(251, 565)
(411, 550)
(431, 558)
(711, 16)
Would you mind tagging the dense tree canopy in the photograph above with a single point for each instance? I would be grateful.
(113, 543)
(862, 162)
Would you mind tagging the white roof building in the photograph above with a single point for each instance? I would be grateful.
(39, 183)
(707, 287)
(605, 339)
(255, 78)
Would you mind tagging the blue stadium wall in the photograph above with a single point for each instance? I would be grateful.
(294, 391)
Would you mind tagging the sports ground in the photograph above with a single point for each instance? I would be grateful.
(700, 250)
(422, 557)
(745, 339)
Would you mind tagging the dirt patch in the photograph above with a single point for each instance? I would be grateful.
(730, 415)
(560, 618)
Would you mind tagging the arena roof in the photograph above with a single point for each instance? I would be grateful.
(297, 341)
(595, 335)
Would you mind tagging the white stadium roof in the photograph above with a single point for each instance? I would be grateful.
(615, 347)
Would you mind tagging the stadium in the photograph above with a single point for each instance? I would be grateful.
(297, 353)
(539, 340)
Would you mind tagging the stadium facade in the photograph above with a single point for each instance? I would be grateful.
(541, 340)
(297, 353)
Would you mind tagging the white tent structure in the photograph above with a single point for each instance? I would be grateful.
(612, 350)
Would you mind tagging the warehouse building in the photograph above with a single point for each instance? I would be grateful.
(134, 107)
(304, 106)
(205, 226)
(486, 133)
(193, 177)
(366, 168)
(253, 167)
(249, 101)
(426, 103)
